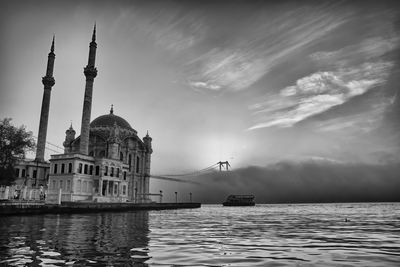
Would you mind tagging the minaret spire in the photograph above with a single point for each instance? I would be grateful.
(94, 33)
(48, 82)
(90, 72)
(52, 44)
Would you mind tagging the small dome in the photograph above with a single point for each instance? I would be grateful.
(109, 120)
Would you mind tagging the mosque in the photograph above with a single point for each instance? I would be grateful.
(108, 162)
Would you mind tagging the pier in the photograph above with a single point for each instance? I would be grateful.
(26, 207)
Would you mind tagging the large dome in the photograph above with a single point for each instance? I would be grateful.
(109, 120)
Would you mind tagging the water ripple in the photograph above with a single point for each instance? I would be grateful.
(357, 234)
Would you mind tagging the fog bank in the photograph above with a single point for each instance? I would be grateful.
(290, 182)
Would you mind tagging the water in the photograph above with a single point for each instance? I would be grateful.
(265, 235)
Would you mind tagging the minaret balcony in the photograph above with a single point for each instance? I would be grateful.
(48, 81)
(90, 71)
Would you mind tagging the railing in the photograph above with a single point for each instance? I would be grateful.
(23, 203)
(21, 193)
(75, 155)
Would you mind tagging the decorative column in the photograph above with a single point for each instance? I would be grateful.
(100, 188)
(147, 161)
(48, 82)
(90, 72)
(114, 141)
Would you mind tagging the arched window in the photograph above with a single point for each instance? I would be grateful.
(112, 172)
(69, 167)
(91, 169)
(55, 168)
(121, 156)
(130, 162)
(62, 168)
(80, 168)
(106, 171)
(85, 170)
(97, 170)
(117, 172)
(91, 153)
(137, 164)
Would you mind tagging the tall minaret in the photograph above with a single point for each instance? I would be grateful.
(48, 82)
(90, 72)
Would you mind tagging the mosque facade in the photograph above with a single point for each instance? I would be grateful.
(115, 169)
(108, 162)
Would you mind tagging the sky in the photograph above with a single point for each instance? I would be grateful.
(278, 88)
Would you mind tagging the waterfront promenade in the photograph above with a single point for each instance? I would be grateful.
(26, 200)
(26, 207)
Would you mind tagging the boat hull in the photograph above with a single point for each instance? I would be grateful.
(239, 200)
(238, 204)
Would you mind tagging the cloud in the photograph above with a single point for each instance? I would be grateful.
(170, 26)
(306, 107)
(356, 69)
(319, 92)
(178, 35)
(367, 49)
(226, 68)
(239, 63)
(364, 122)
(204, 85)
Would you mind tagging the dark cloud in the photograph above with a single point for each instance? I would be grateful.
(312, 181)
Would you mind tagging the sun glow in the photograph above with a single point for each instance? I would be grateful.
(219, 147)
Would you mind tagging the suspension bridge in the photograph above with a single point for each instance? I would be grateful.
(221, 165)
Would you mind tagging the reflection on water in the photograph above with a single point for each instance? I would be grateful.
(89, 239)
(266, 235)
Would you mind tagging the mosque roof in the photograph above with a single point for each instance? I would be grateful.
(109, 120)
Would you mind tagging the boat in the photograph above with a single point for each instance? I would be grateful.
(239, 200)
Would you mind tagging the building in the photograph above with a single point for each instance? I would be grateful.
(32, 173)
(108, 162)
(116, 168)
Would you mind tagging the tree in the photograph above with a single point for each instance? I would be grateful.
(14, 143)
